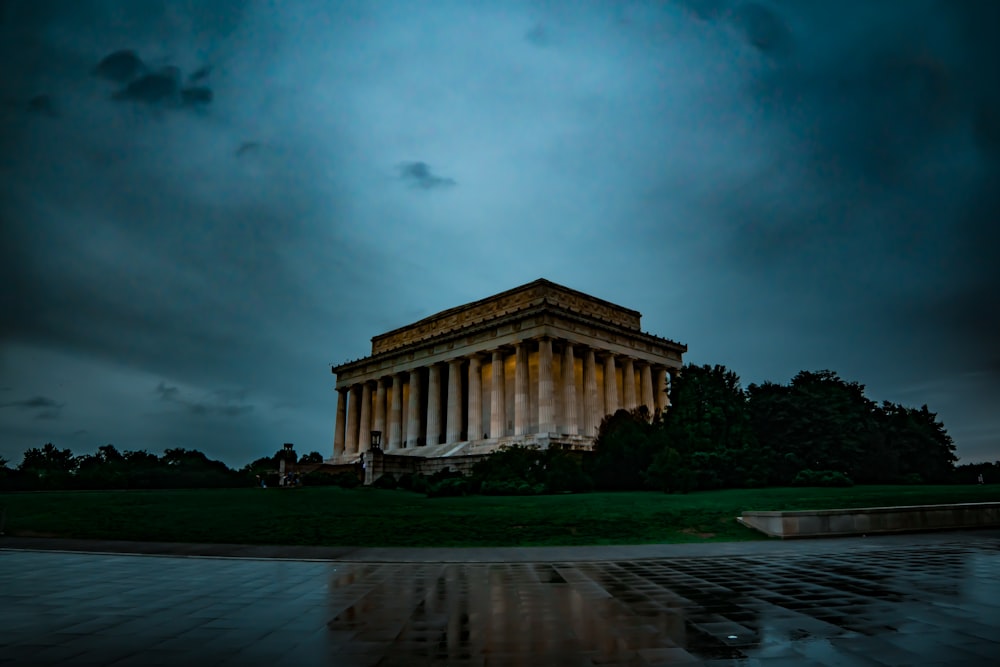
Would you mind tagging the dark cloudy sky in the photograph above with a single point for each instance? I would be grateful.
(193, 233)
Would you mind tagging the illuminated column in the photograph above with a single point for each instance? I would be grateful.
(475, 397)
(341, 424)
(379, 424)
(590, 409)
(413, 410)
(353, 414)
(610, 385)
(454, 427)
(521, 406)
(365, 427)
(660, 388)
(396, 413)
(546, 400)
(628, 384)
(569, 390)
(646, 380)
(672, 375)
(497, 404)
(433, 404)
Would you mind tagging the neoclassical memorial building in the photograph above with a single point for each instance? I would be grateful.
(538, 364)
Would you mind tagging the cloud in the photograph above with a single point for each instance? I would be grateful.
(222, 402)
(763, 28)
(200, 74)
(538, 35)
(121, 66)
(419, 174)
(33, 403)
(47, 408)
(43, 105)
(160, 87)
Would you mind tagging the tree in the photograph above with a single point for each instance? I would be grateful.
(914, 445)
(819, 422)
(708, 425)
(48, 467)
(311, 457)
(624, 449)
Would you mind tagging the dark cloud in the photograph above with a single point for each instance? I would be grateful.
(196, 95)
(121, 67)
(42, 104)
(419, 174)
(538, 35)
(779, 184)
(33, 403)
(247, 148)
(43, 407)
(154, 88)
(763, 28)
(225, 403)
(163, 86)
(200, 74)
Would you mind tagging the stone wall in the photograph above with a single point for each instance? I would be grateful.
(873, 520)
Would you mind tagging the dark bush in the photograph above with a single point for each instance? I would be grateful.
(346, 480)
(386, 481)
(522, 470)
(316, 478)
(412, 482)
(809, 477)
(449, 486)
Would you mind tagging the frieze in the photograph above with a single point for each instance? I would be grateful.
(533, 294)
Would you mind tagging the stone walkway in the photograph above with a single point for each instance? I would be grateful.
(931, 599)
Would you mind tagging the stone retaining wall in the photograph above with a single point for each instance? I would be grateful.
(872, 520)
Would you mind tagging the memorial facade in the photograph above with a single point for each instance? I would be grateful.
(539, 364)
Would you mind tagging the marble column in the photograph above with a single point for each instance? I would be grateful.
(413, 411)
(341, 423)
(646, 381)
(546, 400)
(353, 417)
(379, 424)
(498, 415)
(591, 418)
(628, 384)
(522, 415)
(453, 432)
(569, 390)
(672, 374)
(475, 397)
(395, 439)
(610, 385)
(433, 404)
(660, 387)
(365, 424)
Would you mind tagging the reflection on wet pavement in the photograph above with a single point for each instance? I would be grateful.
(918, 604)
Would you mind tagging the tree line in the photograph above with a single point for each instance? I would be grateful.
(50, 468)
(819, 429)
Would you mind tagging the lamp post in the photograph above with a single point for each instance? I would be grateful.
(376, 440)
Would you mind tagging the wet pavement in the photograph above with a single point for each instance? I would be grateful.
(931, 599)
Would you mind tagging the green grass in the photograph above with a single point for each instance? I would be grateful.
(370, 517)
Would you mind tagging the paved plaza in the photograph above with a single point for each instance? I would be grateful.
(931, 599)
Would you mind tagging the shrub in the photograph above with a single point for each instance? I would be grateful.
(346, 480)
(449, 486)
(316, 478)
(412, 482)
(386, 481)
(809, 477)
(522, 470)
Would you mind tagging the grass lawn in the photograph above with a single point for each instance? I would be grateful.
(371, 517)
